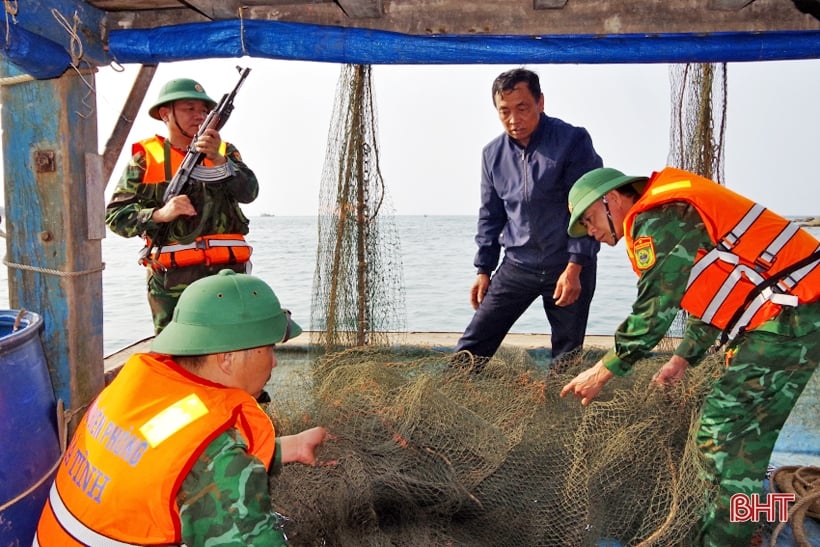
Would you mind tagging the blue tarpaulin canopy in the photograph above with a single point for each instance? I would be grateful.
(42, 58)
(300, 41)
(35, 55)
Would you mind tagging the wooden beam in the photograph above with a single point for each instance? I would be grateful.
(55, 265)
(130, 109)
(215, 9)
(516, 17)
(730, 5)
(548, 4)
(358, 9)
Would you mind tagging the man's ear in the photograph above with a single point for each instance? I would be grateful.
(225, 362)
(613, 197)
(164, 113)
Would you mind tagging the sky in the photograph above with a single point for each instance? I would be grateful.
(433, 121)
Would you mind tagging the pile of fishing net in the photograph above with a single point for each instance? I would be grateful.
(428, 453)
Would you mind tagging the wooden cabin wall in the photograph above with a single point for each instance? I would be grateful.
(54, 206)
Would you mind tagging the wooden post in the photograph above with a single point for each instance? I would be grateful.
(55, 222)
(130, 109)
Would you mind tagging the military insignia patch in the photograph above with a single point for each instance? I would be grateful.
(644, 252)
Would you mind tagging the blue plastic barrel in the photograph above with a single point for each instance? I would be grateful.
(29, 444)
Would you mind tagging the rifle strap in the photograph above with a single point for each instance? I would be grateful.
(166, 147)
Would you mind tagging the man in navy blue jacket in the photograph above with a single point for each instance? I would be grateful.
(526, 176)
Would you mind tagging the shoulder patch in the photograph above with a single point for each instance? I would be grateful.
(644, 252)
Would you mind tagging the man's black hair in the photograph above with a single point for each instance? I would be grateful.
(506, 81)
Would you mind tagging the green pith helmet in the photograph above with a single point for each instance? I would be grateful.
(225, 312)
(589, 188)
(175, 90)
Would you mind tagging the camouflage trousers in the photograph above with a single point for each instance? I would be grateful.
(165, 288)
(742, 417)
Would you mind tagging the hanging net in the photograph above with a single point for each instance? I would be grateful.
(358, 286)
(428, 454)
(697, 132)
(698, 123)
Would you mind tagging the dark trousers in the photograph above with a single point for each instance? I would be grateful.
(511, 292)
(165, 288)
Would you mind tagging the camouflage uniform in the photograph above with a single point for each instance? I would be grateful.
(223, 479)
(768, 367)
(217, 203)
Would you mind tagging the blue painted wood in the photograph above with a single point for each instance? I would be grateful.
(47, 225)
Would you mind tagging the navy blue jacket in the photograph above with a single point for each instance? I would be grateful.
(524, 195)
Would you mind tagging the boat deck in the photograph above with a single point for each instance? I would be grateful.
(528, 341)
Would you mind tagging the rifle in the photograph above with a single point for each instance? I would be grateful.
(179, 183)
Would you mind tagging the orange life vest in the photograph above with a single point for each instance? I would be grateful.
(118, 479)
(211, 250)
(752, 244)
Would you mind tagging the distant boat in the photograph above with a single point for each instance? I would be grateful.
(267, 215)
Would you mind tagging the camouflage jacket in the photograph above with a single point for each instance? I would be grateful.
(225, 498)
(677, 232)
(132, 205)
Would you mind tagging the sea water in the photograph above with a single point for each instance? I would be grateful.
(437, 267)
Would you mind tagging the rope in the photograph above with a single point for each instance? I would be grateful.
(19, 79)
(242, 30)
(11, 9)
(18, 319)
(76, 52)
(804, 483)
(57, 273)
(76, 45)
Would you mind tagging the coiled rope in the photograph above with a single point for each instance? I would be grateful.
(804, 483)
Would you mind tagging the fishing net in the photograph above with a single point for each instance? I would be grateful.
(698, 124)
(358, 285)
(436, 449)
(697, 134)
(428, 453)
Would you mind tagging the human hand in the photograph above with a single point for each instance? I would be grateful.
(568, 286)
(176, 207)
(482, 283)
(208, 143)
(671, 372)
(301, 447)
(588, 384)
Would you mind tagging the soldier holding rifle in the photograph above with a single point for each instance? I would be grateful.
(198, 230)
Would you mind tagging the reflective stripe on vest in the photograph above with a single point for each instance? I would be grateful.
(752, 245)
(765, 260)
(154, 150)
(77, 529)
(211, 250)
